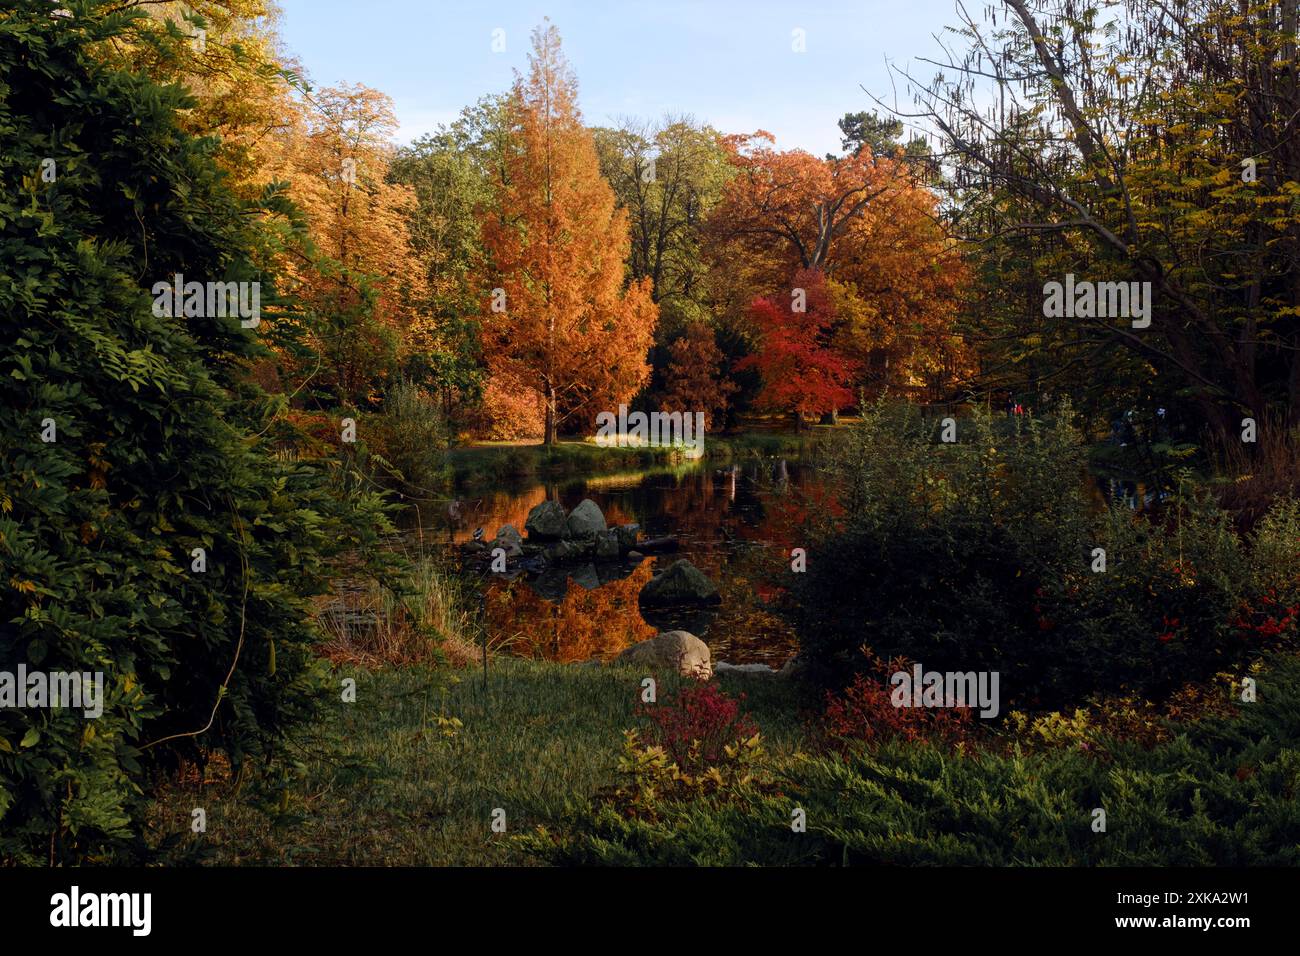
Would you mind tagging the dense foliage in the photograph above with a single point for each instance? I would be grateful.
(154, 452)
(980, 554)
(1221, 793)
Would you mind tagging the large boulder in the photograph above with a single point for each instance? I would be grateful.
(585, 521)
(682, 583)
(680, 651)
(546, 522)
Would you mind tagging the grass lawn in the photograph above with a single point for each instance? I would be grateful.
(384, 782)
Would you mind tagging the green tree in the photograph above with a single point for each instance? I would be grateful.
(451, 173)
(146, 533)
(1152, 143)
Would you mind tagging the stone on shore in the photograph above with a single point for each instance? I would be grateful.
(607, 547)
(546, 521)
(585, 521)
(510, 540)
(680, 651)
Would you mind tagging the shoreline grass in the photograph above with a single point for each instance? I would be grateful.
(479, 465)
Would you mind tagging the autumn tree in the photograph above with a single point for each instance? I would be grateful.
(897, 281)
(563, 321)
(869, 222)
(790, 204)
(801, 372)
(1139, 141)
(357, 277)
(695, 375)
(227, 54)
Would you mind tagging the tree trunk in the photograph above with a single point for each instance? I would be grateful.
(1293, 384)
(549, 437)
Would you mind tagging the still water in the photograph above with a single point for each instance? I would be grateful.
(737, 525)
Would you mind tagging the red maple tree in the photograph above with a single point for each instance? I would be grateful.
(801, 373)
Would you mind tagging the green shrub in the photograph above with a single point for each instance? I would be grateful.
(1221, 794)
(979, 555)
(155, 455)
(408, 438)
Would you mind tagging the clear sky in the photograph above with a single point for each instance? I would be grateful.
(728, 63)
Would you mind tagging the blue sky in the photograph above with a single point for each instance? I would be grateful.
(726, 63)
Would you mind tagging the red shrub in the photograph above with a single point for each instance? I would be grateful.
(1269, 619)
(865, 712)
(703, 714)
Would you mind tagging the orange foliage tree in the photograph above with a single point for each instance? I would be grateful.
(695, 377)
(557, 246)
(784, 205)
(357, 278)
(872, 228)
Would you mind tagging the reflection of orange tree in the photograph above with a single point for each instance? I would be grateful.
(692, 509)
(586, 624)
(615, 515)
(491, 510)
(787, 519)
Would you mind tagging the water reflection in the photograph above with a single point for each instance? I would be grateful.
(591, 619)
(1135, 495)
(736, 524)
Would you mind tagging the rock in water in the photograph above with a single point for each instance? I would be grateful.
(627, 535)
(607, 546)
(546, 521)
(571, 551)
(681, 651)
(509, 539)
(585, 521)
(682, 583)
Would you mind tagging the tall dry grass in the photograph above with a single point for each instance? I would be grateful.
(1254, 475)
(426, 616)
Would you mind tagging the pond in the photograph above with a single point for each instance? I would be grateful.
(737, 524)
